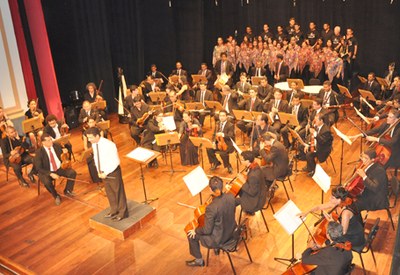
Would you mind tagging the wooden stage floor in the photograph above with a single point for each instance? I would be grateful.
(50, 239)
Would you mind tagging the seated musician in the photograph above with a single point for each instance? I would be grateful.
(219, 223)
(178, 70)
(329, 259)
(320, 144)
(86, 145)
(373, 86)
(9, 146)
(258, 70)
(329, 98)
(48, 163)
(4, 121)
(262, 127)
(224, 132)
(153, 127)
(384, 112)
(137, 121)
(295, 90)
(274, 156)
(224, 66)
(301, 113)
(92, 94)
(57, 129)
(32, 112)
(265, 92)
(316, 109)
(204, 71)
(344, 213)
(252, 104)
(391, 139)
(155, 73)
(87, 112)
(148, 86)
(253, 194)
(229, 102)
(190, 127)
(242, 87)
(274, 106)
(128, 100)
(394, 91)
(175, 107)
(203, 95)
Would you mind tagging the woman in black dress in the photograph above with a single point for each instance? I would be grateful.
(190, 127)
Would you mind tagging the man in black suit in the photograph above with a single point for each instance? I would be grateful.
(322, 147)
(295, 90)
(47, 162)
(329, 259)
(138, 110)
(87, 112)
(258, 70)
(128, 100)
(265, 91)
(175, 107)
(276, 155)
(219, 223)
(153, 127)
(204, 71)
(229, 101)
(316, 109)
(56, 129)
(329, 98)
(301, 113)
(281, 69)
(262, 126)
(252, 104)
(273, 107)
(202, 96)
(373, 86)
(224, 133)
(179, 71)
(242, 86)
(375, 194)
(155, 74)
(149, 86)
(224, 66)
(253, 194)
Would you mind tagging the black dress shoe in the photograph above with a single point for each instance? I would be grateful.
(230, 170)
(110, 215)
(215, 166)
(69, 193)
(23, 183)
(195, 263)
(31, 177)
(57, 201)
(116, 218)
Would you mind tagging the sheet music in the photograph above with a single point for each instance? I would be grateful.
(169, 123)
(322, 178)
(236, 147)
(362, 116)
(287, 217)
(140, 154)
(196, 180)
(342, 136)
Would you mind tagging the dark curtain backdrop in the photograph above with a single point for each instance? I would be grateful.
(91, 38)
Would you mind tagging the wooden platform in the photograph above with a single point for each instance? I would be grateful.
(48, 239)
(139, 214)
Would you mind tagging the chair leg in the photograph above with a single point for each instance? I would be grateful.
(237, 162)
(38, 187)
(290, 182)
(111, 136)
(390, 217)
(265, 222)
(284, 186)
(362, 264)
(240, 215)
(272, 208)
(73, 156)
(333, 165)
(373, 255)
(247, 250)
(208, 256)
(230, 260)
(7, 169)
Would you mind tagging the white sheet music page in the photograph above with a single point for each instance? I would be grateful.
(169, 123)
(287, 217)
(342, 136)
(196, 180)
(140, 154)
(322, 178)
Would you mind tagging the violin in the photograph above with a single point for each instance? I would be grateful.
(221, 144)
(140, 121)
(193, 130)
(3, 129)
(179, 106)
(15, 155)
(65, 161)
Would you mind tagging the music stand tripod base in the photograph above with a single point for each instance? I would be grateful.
(285, 261)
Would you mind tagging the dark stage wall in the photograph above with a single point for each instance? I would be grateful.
(90, 38)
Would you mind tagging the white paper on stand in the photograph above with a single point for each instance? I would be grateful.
(169, 123)
(140, 154)
(196, 180)
(342, 136)
(287, 217)
(322, 178)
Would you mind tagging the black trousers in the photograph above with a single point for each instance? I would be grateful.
(116, 193)
(212, 157)
(48, 181)
(25, 159)
(311, 163)
(92, 169)
(194, 247)
(135, 132)
(245, 127)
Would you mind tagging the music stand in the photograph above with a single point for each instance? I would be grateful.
(196, 181)
(196, 78)
(86, 154)
(256, 80)
(214, 105)
(100, 105)
(344, 138)
(196, 107)
(287, 118)
(62, 140)
(344, 91)
(174, 79)
(288, 219)
(362, 79)
(200, 142)
(298, 140)
(157, 96)
(144, 156)
(31, 124)
(382, 82)
(243, 115)
(168, 139)
(367, 95)
(323, 180)
(299, 82)
(306, 102)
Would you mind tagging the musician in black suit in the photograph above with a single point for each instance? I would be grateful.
(229, 102)
(242, 86)
(149, 85)
(262, 126)
(295, 90)
(202, 96)
(329, 98)
(47, 162)
(179, 71)
(375, 194)
(265, 92)
(224, 66)
(9, 146)
(323, 139)
(329, 259)
(128, 100)
(277, 156)
(281, 69)
(372, 85)
(301, 113)
(175, 107)
(92, 94)
(138, 110)
(274, 106)
(87, 112)
(55, 129)
(204, 71)
(258, 70)
(225, 131)
(252, 104)
(219, 223)
(154, 73)
(316, 109)
(253, 194)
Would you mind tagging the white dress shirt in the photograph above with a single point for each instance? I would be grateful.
(58, 162)
(107, 154)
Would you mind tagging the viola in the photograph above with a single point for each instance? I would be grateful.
(221, 144)
(65, 161)
(140, 121)
(15, 154)
(237, 182)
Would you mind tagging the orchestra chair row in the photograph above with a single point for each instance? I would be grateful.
(370, 236)
(232, 244)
